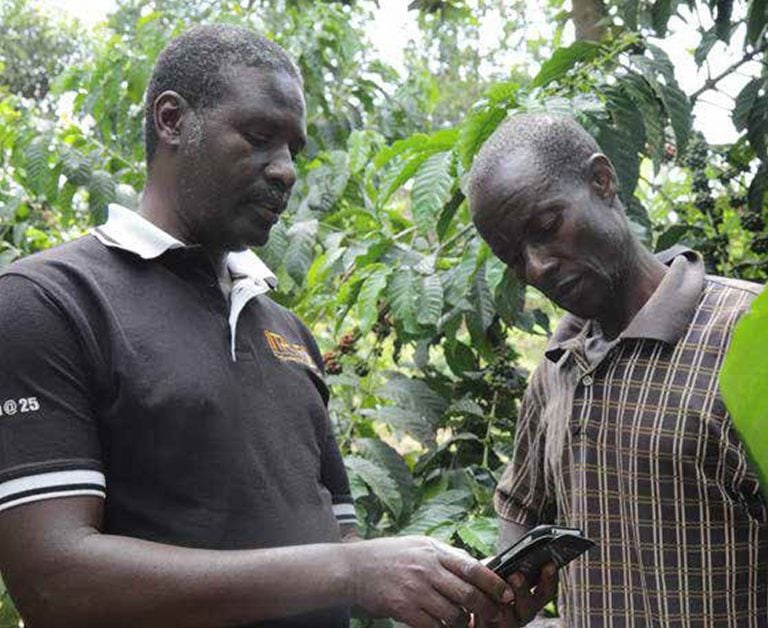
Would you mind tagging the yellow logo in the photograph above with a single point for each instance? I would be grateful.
(288, 351)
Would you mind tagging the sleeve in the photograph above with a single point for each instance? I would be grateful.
(521, 495)
(49, 445)
(334, 477)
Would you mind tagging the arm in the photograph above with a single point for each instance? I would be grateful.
(62, 570)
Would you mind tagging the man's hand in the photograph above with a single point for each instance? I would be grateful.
(425, 583)
(529, 600)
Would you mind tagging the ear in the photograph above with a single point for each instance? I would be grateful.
(168, 113)
(601, 176)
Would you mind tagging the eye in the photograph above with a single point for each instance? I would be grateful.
(548, 226)
(255, 140)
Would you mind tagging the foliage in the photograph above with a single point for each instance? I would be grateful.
(742, 382)
(420, 324)
(35, 48)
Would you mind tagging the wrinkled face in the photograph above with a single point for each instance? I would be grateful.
(567, 242)
(236, 159)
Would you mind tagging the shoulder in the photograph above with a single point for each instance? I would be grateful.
(723, 296)
(62, 263)
(722, 303)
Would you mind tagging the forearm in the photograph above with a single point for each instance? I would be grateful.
(106, 580)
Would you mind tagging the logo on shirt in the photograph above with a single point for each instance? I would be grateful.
(289, 351)
(9, 407)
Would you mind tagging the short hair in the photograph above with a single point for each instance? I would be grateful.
(192, 65)
(559, 146)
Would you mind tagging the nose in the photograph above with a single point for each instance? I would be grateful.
(539, 266)
(281, 169)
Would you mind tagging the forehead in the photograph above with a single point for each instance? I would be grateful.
(510, 187)
(262, 92)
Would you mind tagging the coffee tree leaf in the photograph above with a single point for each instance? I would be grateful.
(480, 535)
(368, 298)
(563, 60)
(431, 189)
(430, 300)
(380, 482)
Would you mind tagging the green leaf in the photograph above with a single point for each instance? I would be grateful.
(402, 292)
(723, 19)
(448, 212)
(460, 358)
(367, 305)
(101, 192)
(302, 237)
(406, 422)
(382, 485)
(431, 189)
(744, 103)
(671, 236)
(563, 59)
(661, 11)
(483, 307)
(653, 115)
(623, 140)
(447, 507)
(430, 300)
(708, 40)
(757, 18)
(757, 188)
(36, 163)
(414, 394)
(480, 534)
(478, 127)
(742, 383)
(509, 297)
(757, 127)
(361, 145)
(387, 457)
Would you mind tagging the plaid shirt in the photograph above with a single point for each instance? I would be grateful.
(629, 440)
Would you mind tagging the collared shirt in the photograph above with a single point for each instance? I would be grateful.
(248, 275)
(629, 440)
(126, 374)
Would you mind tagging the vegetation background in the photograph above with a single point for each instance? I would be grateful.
(428, 338)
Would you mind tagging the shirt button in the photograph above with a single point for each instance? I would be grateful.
(587, 380)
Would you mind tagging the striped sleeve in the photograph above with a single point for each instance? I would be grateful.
(49, 445)
(521, 495)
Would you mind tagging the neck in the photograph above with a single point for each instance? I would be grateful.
(639, 279)
(160, 205)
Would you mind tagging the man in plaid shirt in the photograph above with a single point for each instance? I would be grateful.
(622, 432)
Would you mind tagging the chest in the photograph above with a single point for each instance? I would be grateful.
(173, 380)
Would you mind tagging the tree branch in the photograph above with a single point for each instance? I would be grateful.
(711, 82)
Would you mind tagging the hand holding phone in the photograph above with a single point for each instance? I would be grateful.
(541, 545)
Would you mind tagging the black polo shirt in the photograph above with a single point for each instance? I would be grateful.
(125, 372)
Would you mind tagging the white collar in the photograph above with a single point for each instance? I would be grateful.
(125, 229)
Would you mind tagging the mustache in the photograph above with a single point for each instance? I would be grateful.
(274, 198)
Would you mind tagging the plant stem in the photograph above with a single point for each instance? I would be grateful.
(487, 439)
(710, 83)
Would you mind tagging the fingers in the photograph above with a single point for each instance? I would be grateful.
(467, 596)
(434, 610)
(529, 602)
(478, 575)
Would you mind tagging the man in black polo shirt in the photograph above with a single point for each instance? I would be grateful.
(165, 452)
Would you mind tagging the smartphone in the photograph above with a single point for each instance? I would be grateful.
(541, 545)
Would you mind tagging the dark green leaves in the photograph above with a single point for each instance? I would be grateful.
(563, 60)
